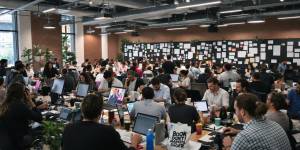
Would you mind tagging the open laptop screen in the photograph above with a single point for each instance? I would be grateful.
(201, 106)
(64, 113)
(144, 122)
(57, 86)
(116, 96)
(130, 106)
(82, 89)
(174, 77)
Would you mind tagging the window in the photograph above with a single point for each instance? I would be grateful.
(68, 31)
(8, 38)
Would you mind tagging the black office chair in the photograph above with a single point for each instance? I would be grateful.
(194, 95)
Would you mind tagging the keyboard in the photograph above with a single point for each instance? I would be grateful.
(125, 135)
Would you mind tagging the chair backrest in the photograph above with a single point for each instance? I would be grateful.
(201, 87)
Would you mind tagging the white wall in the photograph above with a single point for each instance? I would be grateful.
(79, 43)
(24, 31)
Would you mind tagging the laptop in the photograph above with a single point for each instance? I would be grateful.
(57, 86)
(82, 90)
(201, 106)
(174, 77)
(143, 122)
(130, 106)
(65, 114)
(115, 97)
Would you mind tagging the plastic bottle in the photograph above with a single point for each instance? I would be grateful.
(150, 140)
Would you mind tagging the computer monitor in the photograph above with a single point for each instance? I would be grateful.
(65, 113)
(57, 86)
(201, 106)
(82, 90)
(144, 122)
(116, 96)
(174, 77)
(130, 106)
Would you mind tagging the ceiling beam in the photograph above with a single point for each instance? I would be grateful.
(22, 7)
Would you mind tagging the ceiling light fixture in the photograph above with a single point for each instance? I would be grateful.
(49, 10)
(177, 28)
(198, 5)
(129, 30)
(102, 26)
(235, 23)
(256, 20)
(176, 2)
(230, 11)
(204, 25)
(222, 25)
(291, 17)
(122, 32)
(90, 2)
(90, 30)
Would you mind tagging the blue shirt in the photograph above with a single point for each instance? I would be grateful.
(294, 103)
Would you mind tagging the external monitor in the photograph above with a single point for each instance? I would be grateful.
(174, 77)
(201, 106)
(116, 96)
(144, 122)
(57, 86)
(82, 90)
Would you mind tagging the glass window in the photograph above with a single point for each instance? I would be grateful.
(8, 38)
(68, 31)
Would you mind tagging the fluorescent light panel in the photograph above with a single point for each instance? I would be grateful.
(222, 25)
(120, 32)
(235, 23)
(128, 30)
(198, 5)
(256, 21)
(179, 28)
(291, 17)
(49, 10)
(230, 11)
(103, 26)
(204, 25)
(49, 27)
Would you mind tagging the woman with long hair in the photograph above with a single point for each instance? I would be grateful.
(15, 113)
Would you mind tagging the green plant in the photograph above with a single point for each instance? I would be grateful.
(67, 55)
(120, 57)
(27, 55)
(37, 51)
(52, 134)
(48, 55)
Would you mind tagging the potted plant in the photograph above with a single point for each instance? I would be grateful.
(27, 55)
(52, 134)
(67, 55)
(37, 53)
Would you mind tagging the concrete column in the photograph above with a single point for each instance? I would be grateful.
(24, 31)
(79, 42)
(104, 44)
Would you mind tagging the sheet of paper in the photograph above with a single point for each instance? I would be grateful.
(273, 61)
(296, 55)
(135, 54)
(198, 47)
(257, 59)
(219, 43)
(263, 49)
(276, 50)
(219, 49)
(190, 55)
(297, 50)
(290, 48)
(270, 41)
(140, 54)
(187, 46)
(218, 55)
(263, 56)
(176, 51)
(242, 54)
(200, 57)
(224, 54)
(251, 60)
(231, 57)
(262, 45)
(240, 62)
(290, 43)
(231, 54)
(290, 54)
(245, 47)
(270, 47)
(193, 49)
(246, 43)
(253, 50)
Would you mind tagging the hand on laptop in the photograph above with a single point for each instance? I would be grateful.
(230, 131)
(136, 139)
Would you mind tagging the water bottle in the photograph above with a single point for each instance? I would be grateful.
(150, 140)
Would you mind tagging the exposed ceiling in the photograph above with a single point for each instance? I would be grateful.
(135, 14)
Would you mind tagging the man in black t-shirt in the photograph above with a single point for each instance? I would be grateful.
(168, 66)
(88, 134)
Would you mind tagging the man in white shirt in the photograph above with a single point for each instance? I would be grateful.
(108, 82)
(161, 91)
(216, 96)
(228, 76)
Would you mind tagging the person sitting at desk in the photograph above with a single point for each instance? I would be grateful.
(216, 96)
(180, 112)
(279, 83)
(164, 78)
(228, 76)
(16, 112)
(185, 80)
(85, 78)
(275, 102)
(161, 91)
(132, 83)
(108, 82)
(88, 134)
(148, 106)
(293, 100)
(257, 85)
(257, 133)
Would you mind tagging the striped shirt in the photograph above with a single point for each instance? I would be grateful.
(261, 135)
